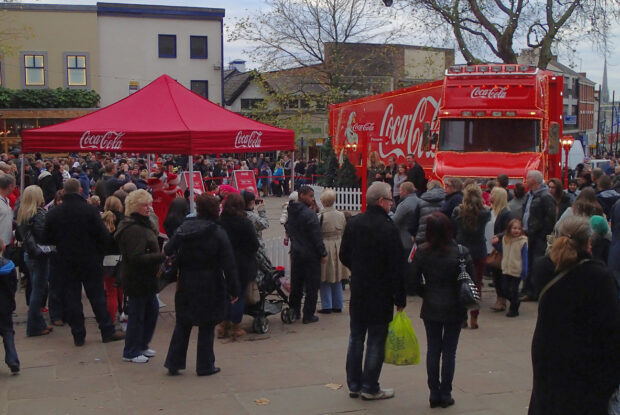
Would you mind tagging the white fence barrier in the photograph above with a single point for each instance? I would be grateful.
(277, 253)
(347, 198)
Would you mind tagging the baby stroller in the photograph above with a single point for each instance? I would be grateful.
(272, 298)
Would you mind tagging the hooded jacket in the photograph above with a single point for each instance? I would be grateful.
(607, 198)
(137, 242)
(430, 201)
(304, 230)
(208, 272)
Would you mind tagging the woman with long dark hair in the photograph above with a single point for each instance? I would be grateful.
(242, 235)
(561, 199)
(471, 218)
(436, 269)
(178, 210)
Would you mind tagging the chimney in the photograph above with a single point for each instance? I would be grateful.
(238, 64)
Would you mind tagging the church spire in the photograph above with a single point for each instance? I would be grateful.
(604, 88)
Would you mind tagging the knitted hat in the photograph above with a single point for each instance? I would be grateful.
(599, 225)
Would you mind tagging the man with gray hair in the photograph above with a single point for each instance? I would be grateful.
(538, 222)
(406, 214)
(7, 185)
(371, 248)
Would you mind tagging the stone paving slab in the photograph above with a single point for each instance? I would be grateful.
(289, 366)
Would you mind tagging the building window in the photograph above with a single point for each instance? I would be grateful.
(76, 70)
(167, 46)
(198, 47)
(201, 88)
(34, 67)
(250, 103)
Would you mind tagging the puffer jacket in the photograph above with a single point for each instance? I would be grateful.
(440, 288)
(430, 201)
(207, 272)
(137, 241)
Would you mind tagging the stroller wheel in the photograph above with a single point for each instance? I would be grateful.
(261, 325)
(285, 315)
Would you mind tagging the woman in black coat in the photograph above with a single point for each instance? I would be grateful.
(244, 241)
(207, 284)
(576, 342)
(436, 269)
(177, 212)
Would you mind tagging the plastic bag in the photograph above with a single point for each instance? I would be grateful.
(401, 346)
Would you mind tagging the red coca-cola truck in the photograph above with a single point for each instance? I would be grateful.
(478, 122)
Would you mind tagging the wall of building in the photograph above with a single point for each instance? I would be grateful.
(129, 51)
(252, 91)
(54, 32)
(425, 64)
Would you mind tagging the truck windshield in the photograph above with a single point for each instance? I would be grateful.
(483, 134)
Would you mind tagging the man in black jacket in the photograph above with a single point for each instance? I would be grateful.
(307, 252)
(77, 231)
(538, 222)
(416, 174)
(372, 250)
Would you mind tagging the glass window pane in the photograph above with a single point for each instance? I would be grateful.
(28, 61)
(81, 62)
(70, 61)
(201, 88)
(35, 77)
(77, 77)
(38, 61)
(167, 46)
(198, 47)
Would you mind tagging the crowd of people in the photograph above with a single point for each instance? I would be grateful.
(107, 225)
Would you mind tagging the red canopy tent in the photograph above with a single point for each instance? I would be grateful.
(163, 117)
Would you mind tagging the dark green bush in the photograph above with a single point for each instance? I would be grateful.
(48, 98)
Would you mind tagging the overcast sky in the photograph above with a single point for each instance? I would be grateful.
(587, 59)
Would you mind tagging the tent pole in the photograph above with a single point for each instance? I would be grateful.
(21, 174)
(192, 203)
(149, 165)
(292, 188)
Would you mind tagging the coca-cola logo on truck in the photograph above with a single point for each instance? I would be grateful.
(250, 140)
(110, 140)
(366, 127)
(402, 128)
(492, 93)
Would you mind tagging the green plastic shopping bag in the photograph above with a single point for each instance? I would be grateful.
(401, 345)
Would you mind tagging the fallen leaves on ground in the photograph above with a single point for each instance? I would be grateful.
(333, 386)
(262, 401)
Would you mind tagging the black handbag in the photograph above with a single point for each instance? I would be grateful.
(469, 296)
(168, 272)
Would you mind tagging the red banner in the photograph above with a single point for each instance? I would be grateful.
(245, 180)
(199, 186)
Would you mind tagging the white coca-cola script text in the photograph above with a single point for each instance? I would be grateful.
(110, 140)
(369, 126)
(250, 140)
(493, 93)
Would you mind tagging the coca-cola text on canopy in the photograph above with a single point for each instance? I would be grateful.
(110, 140)
(250, 140)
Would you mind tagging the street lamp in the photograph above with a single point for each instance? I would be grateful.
(567, 142)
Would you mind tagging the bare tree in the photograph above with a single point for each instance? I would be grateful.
(494, 28)
(311, 34)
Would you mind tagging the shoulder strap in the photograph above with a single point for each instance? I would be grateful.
(558, 278)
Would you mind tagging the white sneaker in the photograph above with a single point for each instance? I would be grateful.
(149, 353)
(138, 359)
(382, 394)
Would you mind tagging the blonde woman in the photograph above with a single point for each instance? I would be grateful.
(137, 241)
(112, 216)
(375, 168)
(500, 217)
(332, 270)
(31, 225)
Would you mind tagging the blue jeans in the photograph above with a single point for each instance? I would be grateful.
(141, 321)
(235, 311)
(367, 379)
(331, 295)
(442, 339)
(39, 274)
